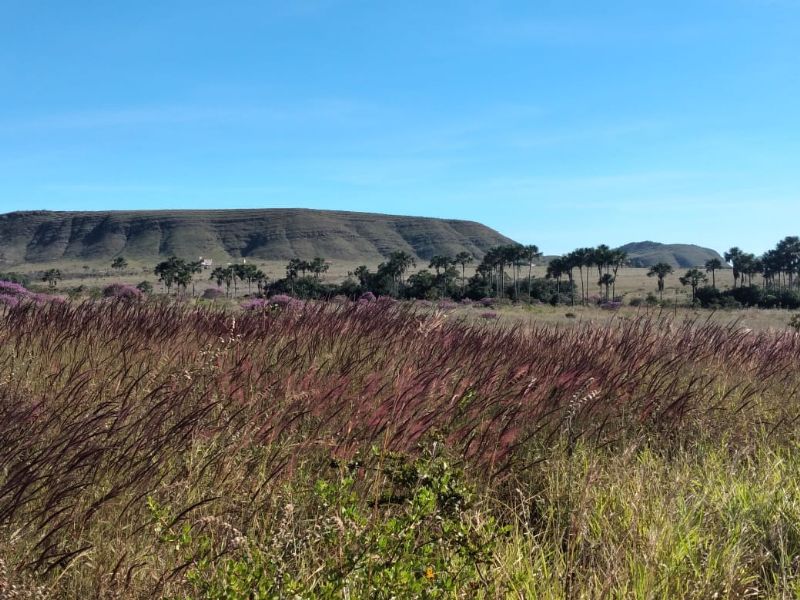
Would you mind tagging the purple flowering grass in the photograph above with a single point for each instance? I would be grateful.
(9, 288)
(8, 300)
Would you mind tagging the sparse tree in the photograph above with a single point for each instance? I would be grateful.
(606, 280)
(318, 266)
(168, 270)
(733, 257)
(712, 266)
(531, 254)
(463, 259)
(555, 270)
(119, 264)
(660, 270)
(693, 278)
(52, 277)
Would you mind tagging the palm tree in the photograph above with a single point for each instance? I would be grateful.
(750, 265)
(463, 259)
(247, 273)
(119, 263)
(441, 263)
(601, 258)
(569, 265)
(219, 274)
(491, 262)
(618, 258)
(168, 270)
(403, 261)
(318, 266)
(693, 278)
(789, 251)
(193, 268)
(362, 274)
(580, 258)
(607, 280)
(240, 272)
(712, 266)
(515, 255)
(52, 277)
(261, 280)
(531, 254)
(293, 268)
(555, 270)
(660, 270)
(733, 256)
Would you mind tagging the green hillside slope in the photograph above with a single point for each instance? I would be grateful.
(266, 234)
(683, 256)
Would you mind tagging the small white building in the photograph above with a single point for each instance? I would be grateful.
(206, 263)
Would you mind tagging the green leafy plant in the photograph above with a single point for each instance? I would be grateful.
(412, 532)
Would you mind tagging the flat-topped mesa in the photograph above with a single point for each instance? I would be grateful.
(224, 235)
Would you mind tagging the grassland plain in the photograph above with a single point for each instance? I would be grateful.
(160, 449)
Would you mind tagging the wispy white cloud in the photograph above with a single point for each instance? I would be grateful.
(325, 110)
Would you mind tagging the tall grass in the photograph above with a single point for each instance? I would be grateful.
(572, 437)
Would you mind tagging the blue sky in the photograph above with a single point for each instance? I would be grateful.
(558, 123)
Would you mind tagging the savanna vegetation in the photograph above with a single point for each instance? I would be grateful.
(326, 440)
(372, 450)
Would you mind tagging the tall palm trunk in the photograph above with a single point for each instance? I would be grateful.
(530, 279)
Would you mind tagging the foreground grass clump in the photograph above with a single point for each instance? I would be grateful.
(154, 450)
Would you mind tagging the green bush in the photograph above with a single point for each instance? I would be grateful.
(416, 537)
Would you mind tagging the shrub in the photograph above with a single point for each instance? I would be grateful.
(611, 305)
(256, 304)
(280, 300)
(447, 305)
(213, 294)
(15, 278)
(145, 287)
(636, 302)
(122, 291)
(367, 297)
(794, 322)
(423, 542)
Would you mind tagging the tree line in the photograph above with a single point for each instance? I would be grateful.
(507, 271)
(779, 286)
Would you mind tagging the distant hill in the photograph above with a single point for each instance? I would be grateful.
(223, 235)
(682, 256)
